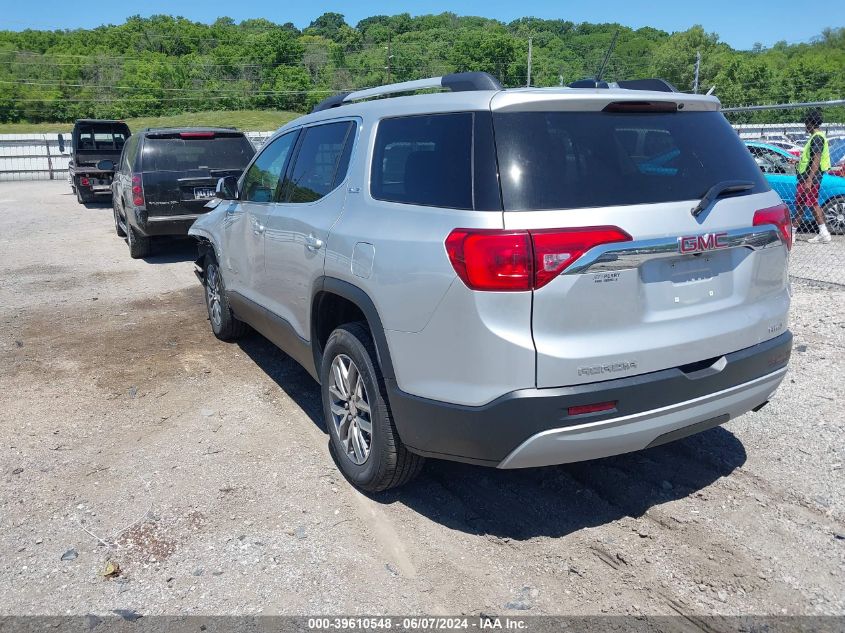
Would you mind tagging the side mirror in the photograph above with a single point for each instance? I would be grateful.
(227, 188)
(62, 143)
(105, 165)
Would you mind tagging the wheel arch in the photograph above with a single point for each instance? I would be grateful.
(334, 302)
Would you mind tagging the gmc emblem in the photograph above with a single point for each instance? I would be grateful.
(701, 243)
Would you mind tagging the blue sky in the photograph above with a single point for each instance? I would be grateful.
(740, 23)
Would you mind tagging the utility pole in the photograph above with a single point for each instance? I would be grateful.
(697, 68)
(528, 78)
(389, 58)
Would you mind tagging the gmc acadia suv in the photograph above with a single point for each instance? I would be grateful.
(512, 278)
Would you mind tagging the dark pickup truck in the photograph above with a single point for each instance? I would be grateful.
(93, 140)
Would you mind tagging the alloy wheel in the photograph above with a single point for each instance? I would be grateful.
(834, 215)
(212, 291)
(350, 409)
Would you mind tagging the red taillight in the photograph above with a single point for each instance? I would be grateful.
(491, 259)
(196, 135)
(597, 407)
(84, 181)
(556, 249)
(137, 190)
(502, 260)
(779, 216)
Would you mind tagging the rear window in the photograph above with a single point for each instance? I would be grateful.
(568, 160)
(188, 154)
(425, 160)
(101, 138)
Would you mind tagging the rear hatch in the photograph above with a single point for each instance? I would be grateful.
(651, 285)
(181, 169)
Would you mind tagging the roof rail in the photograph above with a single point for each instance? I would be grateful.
(456, 82)
(656, 85)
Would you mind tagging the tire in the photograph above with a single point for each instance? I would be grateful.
(834, 215)
(83, 197)
(139, 245)
(372, 461)
(117, 228)
(224, 324)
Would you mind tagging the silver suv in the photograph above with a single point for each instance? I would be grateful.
(512, 278)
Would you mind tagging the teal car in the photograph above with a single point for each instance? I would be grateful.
(778, 167)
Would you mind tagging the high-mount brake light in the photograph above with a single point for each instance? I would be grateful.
(196, 134)
(137, 190)
(641, 106)
(779, 216)
(503, 260)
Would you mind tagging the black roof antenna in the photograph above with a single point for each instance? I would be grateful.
(607, 56)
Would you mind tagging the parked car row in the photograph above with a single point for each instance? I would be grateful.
(779, 168)
(510, 278)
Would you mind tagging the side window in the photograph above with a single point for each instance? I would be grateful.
(321, 162)
(128, 156)
(425, 160)
(262, 179)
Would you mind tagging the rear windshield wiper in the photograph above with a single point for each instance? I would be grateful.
(718, 190)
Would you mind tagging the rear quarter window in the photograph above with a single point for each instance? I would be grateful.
(564, 160)
(424, 160)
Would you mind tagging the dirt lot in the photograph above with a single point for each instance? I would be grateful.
(129, 434)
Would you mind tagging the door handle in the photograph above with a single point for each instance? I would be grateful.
(313, 243)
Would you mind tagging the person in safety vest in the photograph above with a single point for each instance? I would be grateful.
(814, 161)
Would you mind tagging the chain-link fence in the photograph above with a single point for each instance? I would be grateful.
(777, 148)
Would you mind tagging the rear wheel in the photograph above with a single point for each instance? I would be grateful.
(224, 324)
(139, 245)
(367, 447)
(118, 228)
(834, 215)
(83, 196)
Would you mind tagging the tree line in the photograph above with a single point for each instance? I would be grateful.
(167, 65)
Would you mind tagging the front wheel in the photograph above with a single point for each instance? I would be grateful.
(834, 215)
(367, 447)
(224, 324)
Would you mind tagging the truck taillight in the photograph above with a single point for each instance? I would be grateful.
(779, 216)
(137, 190)
(84, 182)
(503, 260)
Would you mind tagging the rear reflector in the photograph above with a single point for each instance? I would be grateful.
(196, 134)
(84, 182)
(598, 407)
(779, 216)
(502, 260)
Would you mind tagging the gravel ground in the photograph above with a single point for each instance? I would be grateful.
(129, 435)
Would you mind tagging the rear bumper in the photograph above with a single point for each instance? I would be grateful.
(643, 430)
(531, 427)
(167, 224)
